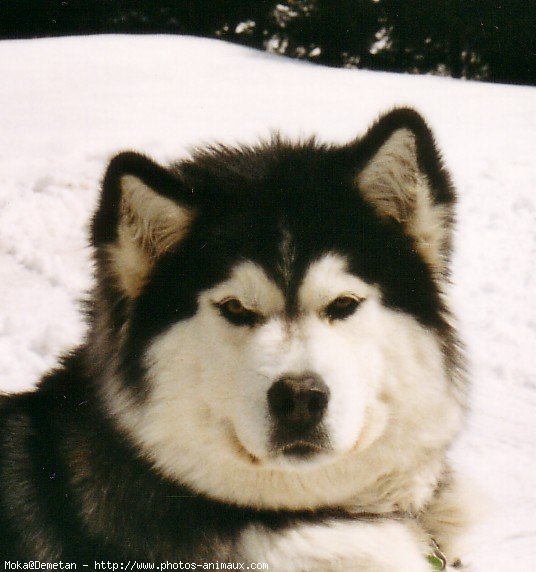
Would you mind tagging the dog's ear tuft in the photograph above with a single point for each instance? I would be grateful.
(402, 176)
(144, 211)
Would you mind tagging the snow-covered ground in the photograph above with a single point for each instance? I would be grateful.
(67, 104)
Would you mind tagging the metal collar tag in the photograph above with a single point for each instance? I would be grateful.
(437, 558)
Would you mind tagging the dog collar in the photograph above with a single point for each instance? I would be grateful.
(436, 558)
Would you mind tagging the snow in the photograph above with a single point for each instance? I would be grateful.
(67, 104)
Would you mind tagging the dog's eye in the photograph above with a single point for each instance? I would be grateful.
(341, 307)
(233, 311)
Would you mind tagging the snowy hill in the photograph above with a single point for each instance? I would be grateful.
(67, 104)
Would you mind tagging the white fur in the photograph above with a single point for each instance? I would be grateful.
(391, 414)
(337, 546)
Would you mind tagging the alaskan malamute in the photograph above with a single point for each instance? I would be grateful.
(271, 376)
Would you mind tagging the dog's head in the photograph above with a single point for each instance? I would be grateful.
(278, 311)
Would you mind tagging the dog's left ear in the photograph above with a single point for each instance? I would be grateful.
(402, 176)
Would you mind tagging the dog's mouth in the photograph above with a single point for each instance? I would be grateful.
(296, 446)
(301, 450)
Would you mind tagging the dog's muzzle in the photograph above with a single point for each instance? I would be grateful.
(298, 405)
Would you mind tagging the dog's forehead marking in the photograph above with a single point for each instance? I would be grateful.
(327, 278)
(287, 254)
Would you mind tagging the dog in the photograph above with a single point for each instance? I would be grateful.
(271, 372)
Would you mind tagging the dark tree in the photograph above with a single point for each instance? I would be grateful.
(493, 40)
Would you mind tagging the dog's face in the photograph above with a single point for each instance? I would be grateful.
(278, 311)
(282, 388)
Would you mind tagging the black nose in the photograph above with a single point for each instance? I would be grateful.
(298, 402)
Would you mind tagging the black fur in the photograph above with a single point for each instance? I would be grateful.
(60, 452)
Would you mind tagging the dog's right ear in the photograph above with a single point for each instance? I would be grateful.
(144, 210)
(403, 178)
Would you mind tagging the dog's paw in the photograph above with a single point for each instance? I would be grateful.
(450, 515)
(338, 546)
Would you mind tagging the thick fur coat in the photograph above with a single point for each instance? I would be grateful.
(271, 371)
